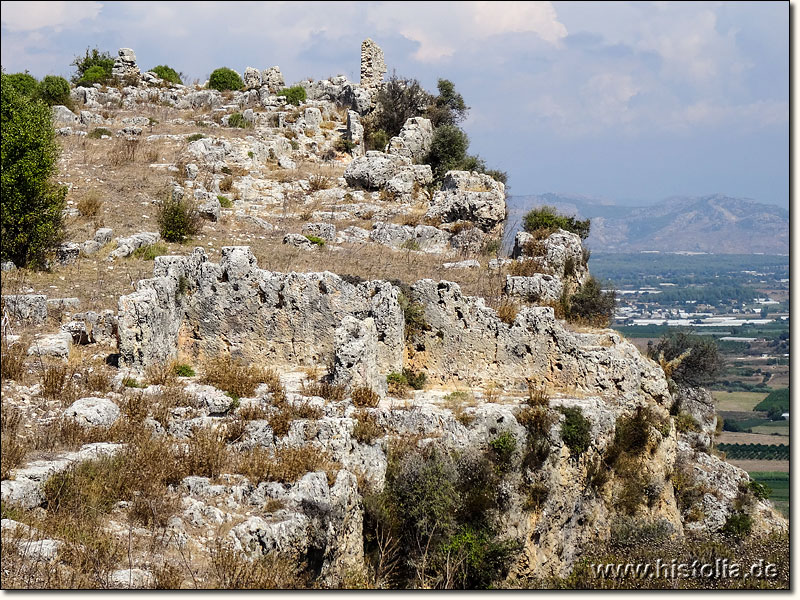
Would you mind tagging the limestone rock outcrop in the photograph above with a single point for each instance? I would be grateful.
(125, 66)
(414, 140)
(472, 197)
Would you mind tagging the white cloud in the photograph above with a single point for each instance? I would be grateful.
(30, 16)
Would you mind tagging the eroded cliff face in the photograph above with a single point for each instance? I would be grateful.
(196, 308)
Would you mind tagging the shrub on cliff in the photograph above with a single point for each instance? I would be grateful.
(547, 217)
(591, 304)
(32, 221)
(397, 101)
(167, 74)
(225, 79)
(687, 359)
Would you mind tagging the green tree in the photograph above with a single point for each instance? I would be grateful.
(294, 95)
(93, 58)
(448, 150)
(32, 220)
(689, 359)
(448, 108)
(398, 100)
(547, 217)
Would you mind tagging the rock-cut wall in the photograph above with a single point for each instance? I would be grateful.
(196, 307)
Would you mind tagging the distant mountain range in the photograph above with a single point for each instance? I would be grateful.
(717, 224)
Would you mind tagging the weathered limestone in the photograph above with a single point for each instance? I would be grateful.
(273, 79)
(125, 66)
(93, 412)
(378, 170)
(356, 355)
(30, 308)
(470, 196)
(251, 78)
(355, 132)
(414, 139)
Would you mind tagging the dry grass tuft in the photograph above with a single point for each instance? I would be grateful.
(365, 397)
(507, 312)
(537, 393)
(230, 570)
(90, 204)
(281, 419)
(12, 451)
(366, 429)
(284, 465)
(237, 379)
(12, 360)
(329, 391)
(206, 455)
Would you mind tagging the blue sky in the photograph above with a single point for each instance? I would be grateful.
(626, 101)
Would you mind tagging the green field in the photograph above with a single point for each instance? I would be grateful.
(737, 401)
(773, 427)
(779, 484)
(777, 399)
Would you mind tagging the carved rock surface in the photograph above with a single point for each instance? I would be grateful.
(470, 196)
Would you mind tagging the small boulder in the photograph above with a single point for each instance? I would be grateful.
(93, 412)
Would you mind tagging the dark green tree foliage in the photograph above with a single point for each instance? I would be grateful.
(93, 67)
(54, 90)
(167, 74)
(225, 79)
(547, 217)
(448, 108)
(399, 100)
(295, 95)
(440, 507)
(699, 367)
(32, 221)
(591, 304)
(448, 150)
(24, 83)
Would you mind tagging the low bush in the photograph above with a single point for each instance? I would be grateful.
(295, 95)
(591, 305)
(576, 431)
(685, 423)
(366, 429)
(93, 67)
(150, 251)
(225, 79)
(738, 524)
(224, 201)
(54, 90)
(99, 132)
(548, 218)
(398, 384)
(195, 136)
(413, 315)
(167, 74)
(537, 421)
(324, 389)
(316, 240)
(238, 121)
(503, 448)
(93, 75)
(178, 219)
(415, 380)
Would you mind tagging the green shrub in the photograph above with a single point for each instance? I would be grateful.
(537, 421)
(101, 62)
(687, 359)
(99, 132)
(195, 136)
(344, 146)
(295, 95)
(415, 380)
(739, 524)
(238, 121)
(365, 397)
(503, 448)
(315, 240)
(548, 218)
(397, 383)
(178, 219)
(760, 490)
(93, 75)
(376, 140)
(777, 399)
(448, 150)
(413, 315)
(25, 84)
(167, 74)
(130, 382)
(685, 423)
(224, 201)
(591, 305)
(150, 251)
(576, 431)
(32, 206)
(224, 79)
(54, 90)
(183, 370)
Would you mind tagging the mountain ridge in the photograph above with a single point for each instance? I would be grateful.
(714, 223)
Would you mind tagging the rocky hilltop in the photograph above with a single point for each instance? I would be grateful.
(716, 224)
(343, 383)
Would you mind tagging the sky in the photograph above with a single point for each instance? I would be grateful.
(631, 102)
